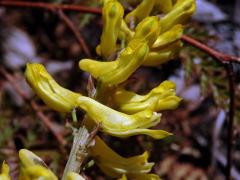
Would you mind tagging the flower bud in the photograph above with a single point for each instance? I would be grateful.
(4, 173)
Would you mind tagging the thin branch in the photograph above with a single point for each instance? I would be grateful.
(51, 6)
(222, 57)
(230, 119)
(34, 105)
(76, 32)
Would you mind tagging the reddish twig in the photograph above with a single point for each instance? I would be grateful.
(222, 57)
(51, 6)
(34, 106)
(230, 119)
(76, 32)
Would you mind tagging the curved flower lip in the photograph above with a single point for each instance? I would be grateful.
(116, 72)
(119, 124)
(141, 11)
(162, 97)
(115, 165)
(181, 11)
(112, 18)
(55, 96)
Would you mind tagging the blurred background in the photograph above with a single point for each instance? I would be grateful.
(199, 145)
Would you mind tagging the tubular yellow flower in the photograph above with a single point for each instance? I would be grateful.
(157, 57)
(115, 165)
(4, 174)
(170, 36)
(148, 29)
(181, 11)
(55, 96)
(118, 71)
(33, 167)
(119, 124)
(160, 98)
(74, 176)
(112, 14)
(141, 11)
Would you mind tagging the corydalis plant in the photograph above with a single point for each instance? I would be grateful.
(138, 39)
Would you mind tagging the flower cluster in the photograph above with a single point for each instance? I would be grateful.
(137, 39)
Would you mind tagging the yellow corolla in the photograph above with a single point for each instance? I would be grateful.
(162, 55)
(116, 72)
(4, 173)
(160, 98)
(168, 37)
(119, 124)
(125, 32)
(112, 15)
(33, 167)
(115, 165)
(181, 11)
(55, 96)
(141, 11)
(148, 29)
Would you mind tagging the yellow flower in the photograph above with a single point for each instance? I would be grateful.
(74, 176)
(119, 124)
(181, 11)
(115, 165)
(118, 71)
(4, 174)
(164, 54)
(112, 15)
(163, 97)
(148, 29)
(141, 11)
(33, 167)
(168, 37)
(55, 96)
